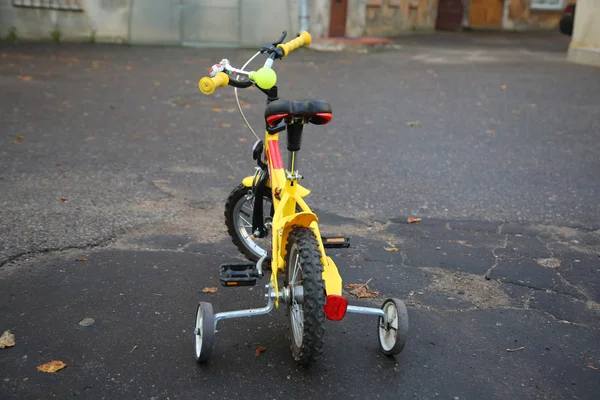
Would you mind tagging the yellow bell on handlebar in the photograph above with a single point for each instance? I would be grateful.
(265, 78)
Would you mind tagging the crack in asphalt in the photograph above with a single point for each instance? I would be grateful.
(488, 273)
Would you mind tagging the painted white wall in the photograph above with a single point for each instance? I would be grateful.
(585, 42)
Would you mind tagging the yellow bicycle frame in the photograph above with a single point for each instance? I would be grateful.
(287, 193)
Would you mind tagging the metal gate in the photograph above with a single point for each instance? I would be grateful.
(210, 23)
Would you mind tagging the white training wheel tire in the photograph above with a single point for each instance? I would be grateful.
(204, 332)
(393, 329)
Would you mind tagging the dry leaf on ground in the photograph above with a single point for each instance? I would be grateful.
(503, 87)
(63, 199)
(413, 123)
(259, 350)
(592, 366)
(25, 78)
(210, 290)
(413, 220)
(51, 367)
(517, 349)
(82, 259)
(361, 290)
(390, 248)
(7, 340)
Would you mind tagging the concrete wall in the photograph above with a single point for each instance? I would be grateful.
(585, 42)
(107, 19)
(172, 22)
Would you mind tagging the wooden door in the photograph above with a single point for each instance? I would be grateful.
(337, 21)
(450, 15)
(486, 13)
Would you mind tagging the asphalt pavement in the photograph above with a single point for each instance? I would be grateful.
(114, 169)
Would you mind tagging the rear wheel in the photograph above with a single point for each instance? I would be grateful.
(306, 290)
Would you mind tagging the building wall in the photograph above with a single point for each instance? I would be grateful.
(392, 17)
(585, 42)
(223, 22)
(518, 15)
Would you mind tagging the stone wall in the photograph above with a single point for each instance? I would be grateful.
(518, 15)
(392, 17)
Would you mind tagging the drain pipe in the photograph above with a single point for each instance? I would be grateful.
(304, 16)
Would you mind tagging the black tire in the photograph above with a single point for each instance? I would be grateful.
(240, 241)
(204, 331)
(307, 344)
(393, 337)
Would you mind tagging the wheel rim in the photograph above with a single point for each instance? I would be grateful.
(388, 327)
(242, 221)
(198, 331)
(296, 310)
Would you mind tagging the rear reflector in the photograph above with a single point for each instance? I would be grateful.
(335, 307)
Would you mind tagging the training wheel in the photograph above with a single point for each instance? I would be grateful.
(204, 331)
(393, 329)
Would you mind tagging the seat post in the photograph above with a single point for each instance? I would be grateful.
(294, 140)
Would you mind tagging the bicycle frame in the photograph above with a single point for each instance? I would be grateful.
(287, 194)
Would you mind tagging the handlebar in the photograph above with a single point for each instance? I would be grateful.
(207, 85)
(264, 78)
(303, 40)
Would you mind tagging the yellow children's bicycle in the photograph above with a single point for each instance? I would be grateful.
(272, 225)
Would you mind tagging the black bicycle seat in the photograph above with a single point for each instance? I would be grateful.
(316, 112)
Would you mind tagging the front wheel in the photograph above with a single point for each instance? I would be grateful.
(393, 328)
(306, 291)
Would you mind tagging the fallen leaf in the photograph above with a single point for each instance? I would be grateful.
(133, 139)
(160, 181)
(231, 110)
(129, 68)
(20, 137)
(390, 248)
(516, 112)
(153, 97)
(491, 132)
(361, 290)
(58, 164)
(187, 106)
(532, 105)
(225, 125)
(87, 322)
(210, 290)
(243, 139)
(338, 155)
(517, 349)
(91, 138)
(25, 78)
(132, 350)
(51, 367)
(503, 87)
(82, 259)
(7, 340)
(413, 123)
(413, 220)
(592, 366)
(321, 154)
(368, 122)
(216, 109)
(259, 350)
(63, 199)
(184, 331)
(142, 107)
(479, 103)
(230, 177)
(156, 83)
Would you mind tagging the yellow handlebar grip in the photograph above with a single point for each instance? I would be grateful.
(303, 40)
(207, 85)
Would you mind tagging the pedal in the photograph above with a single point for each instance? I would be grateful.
(238, 274)
(337, 242)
